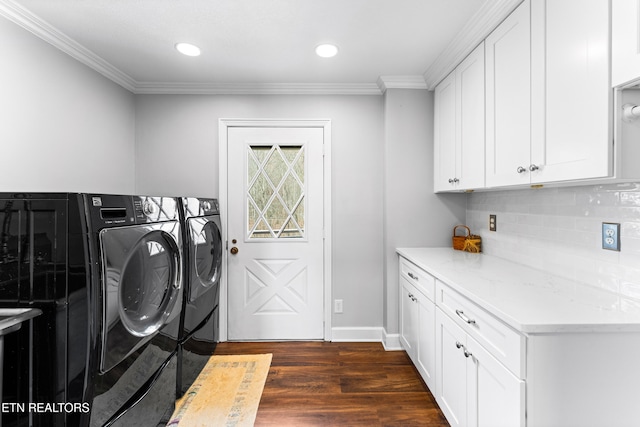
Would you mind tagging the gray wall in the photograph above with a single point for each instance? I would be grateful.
(63, 127)
(177, 151)
(414, 215)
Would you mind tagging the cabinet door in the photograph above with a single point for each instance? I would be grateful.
(508, 104)
(626, 41)
(451, 370)
(426, 351)
(408, 318)
(445, 134)
(470, 118)
(570, 55)
(496, 397)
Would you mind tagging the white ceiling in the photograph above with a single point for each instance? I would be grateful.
(251, 42)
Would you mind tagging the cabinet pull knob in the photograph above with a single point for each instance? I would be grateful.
(521, 169)
(464, 317)
(467, 353)
(414, 277)
(456, 180)
(533, 168)
(451, 181)
(459, 344)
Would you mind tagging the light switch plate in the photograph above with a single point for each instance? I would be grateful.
(493, 222)
(611, 236)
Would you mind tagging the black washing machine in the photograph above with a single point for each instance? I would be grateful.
(106, 271)
(44, 264)
(135, 247)
(203, 261)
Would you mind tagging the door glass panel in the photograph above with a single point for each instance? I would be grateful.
(275, 192)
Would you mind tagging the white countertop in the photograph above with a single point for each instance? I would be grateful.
(529, 300)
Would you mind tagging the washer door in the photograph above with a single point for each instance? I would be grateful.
(205, 255)
(142, 286)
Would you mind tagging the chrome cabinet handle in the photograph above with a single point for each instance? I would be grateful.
(459, 344)
(521, 169)
(467, 353)
(464, 317)
(450, 180)
(412, 276)
(533, 168)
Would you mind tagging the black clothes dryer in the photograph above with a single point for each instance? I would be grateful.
(135, 247)
(203, 260)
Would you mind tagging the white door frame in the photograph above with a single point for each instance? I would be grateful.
(223, 140)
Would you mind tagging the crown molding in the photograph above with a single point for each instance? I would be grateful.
(257, 88)
(479, 26)
(490, 14)
(41, 29)
(401, 82)
(30, 22)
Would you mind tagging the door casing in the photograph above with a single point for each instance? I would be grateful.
(325, 124)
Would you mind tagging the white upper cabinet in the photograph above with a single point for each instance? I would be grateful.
(459, 126)
(445, 134)
(571, 137)
(626, 42)
(508, 103)
(470, 99)
(548, 98)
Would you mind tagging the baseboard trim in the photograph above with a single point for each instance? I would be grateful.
(390, 342)
(356, 334)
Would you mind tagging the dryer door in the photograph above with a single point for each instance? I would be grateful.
(205, 255)
(141, 286)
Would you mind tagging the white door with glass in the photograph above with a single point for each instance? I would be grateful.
(275, 262)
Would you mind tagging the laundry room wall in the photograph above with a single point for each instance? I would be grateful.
(177, 152)
(414, 215)
(64, 127)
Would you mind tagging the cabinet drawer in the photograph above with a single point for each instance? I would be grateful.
(504, 343)
(422, 280)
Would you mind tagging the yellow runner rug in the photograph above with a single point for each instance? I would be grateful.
(226, 393)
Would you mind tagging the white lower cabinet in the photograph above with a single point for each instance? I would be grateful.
(417, 321)
(451, 365)
(516, 347)
(448, 339)
(472, 387)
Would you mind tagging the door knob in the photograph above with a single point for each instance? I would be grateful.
(233, 250)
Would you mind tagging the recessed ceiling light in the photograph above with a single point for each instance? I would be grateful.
(327, 50)
(188, 49)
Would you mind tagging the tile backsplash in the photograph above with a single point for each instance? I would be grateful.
(559, 230)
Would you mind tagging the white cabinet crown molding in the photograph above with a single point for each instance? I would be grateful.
(490, 14)
(401, 82)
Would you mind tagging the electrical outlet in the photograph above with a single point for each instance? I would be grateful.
(337, 306)
(611, 236)
(493, 222)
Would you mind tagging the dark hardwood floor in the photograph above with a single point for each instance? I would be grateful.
(340, 384)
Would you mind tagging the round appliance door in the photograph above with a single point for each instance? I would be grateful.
(205, 255)
(143, 286)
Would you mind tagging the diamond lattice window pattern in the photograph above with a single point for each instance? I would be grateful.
(275, 191)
